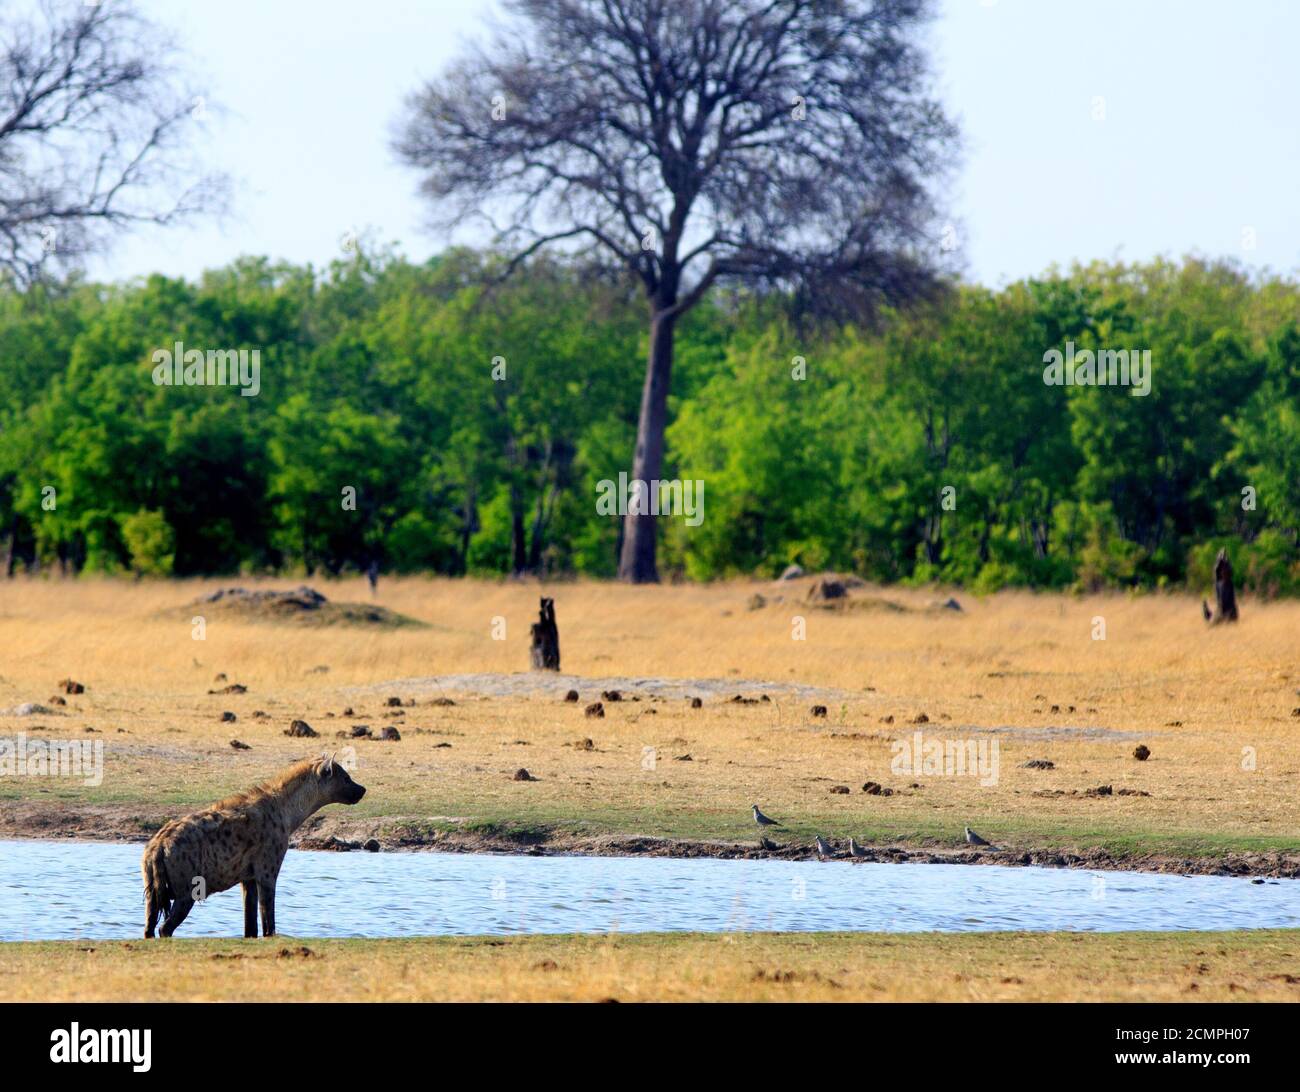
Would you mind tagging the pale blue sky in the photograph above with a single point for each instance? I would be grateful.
(1200, 138)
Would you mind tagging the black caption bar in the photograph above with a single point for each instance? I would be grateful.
(158, 1041)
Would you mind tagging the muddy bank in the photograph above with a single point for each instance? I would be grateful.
(122, 823)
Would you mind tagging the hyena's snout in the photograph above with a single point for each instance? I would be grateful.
(336, 785)
(345, 790)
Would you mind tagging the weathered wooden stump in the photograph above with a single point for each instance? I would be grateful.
(546, 639)
(1225, 596)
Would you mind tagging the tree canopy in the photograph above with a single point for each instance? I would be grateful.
(474, 427)
(788, 144)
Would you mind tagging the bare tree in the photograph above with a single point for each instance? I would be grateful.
(774, 143)
(91, 133)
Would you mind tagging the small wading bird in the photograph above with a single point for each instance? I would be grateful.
(824, 848)
(762, 820)
(856, 850)
(975, 840)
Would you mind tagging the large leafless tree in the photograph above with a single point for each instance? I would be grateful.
(93, 128)
(784, 143)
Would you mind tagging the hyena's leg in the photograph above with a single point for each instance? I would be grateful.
(152, 911)
(250, 908)
(180, 908)
(266, 896)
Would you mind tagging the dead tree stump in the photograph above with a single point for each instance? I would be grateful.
(1225, 596)
(546, 639)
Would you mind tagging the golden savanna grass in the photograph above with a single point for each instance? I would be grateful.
(1213, 705)
(1261, 965)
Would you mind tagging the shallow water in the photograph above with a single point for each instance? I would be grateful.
(58, 890)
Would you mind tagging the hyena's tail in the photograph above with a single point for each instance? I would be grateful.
(157, 891)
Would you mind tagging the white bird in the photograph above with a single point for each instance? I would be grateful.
(824, 848)
(856, 850)
(975, 840)
(762, 820)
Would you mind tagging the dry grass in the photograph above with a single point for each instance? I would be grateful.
(1198, 698)
(1252, 966)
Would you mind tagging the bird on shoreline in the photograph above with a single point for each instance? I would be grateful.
(824, 848)
(856, 850)
(762, 820)
(974, 839)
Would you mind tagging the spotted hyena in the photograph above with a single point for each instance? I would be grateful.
(242, 839)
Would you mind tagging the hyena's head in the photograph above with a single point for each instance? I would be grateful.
(336, 784)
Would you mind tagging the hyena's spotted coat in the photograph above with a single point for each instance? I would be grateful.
(242, 839)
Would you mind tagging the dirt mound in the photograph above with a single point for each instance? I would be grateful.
(794, 572)
(838, 592)
(301, 598)
(28, 709)
(827, 589)
(526, 684)
(300, 606)
(856, 603)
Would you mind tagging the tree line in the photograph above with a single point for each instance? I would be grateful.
(434, 418)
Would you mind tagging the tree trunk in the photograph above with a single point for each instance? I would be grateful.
(541, 514)
(637, 560)
(1225, 596)
(545, 651)
(468, 525)
(518, 550)
(541, 520)
(934, 539)
(518, 544)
